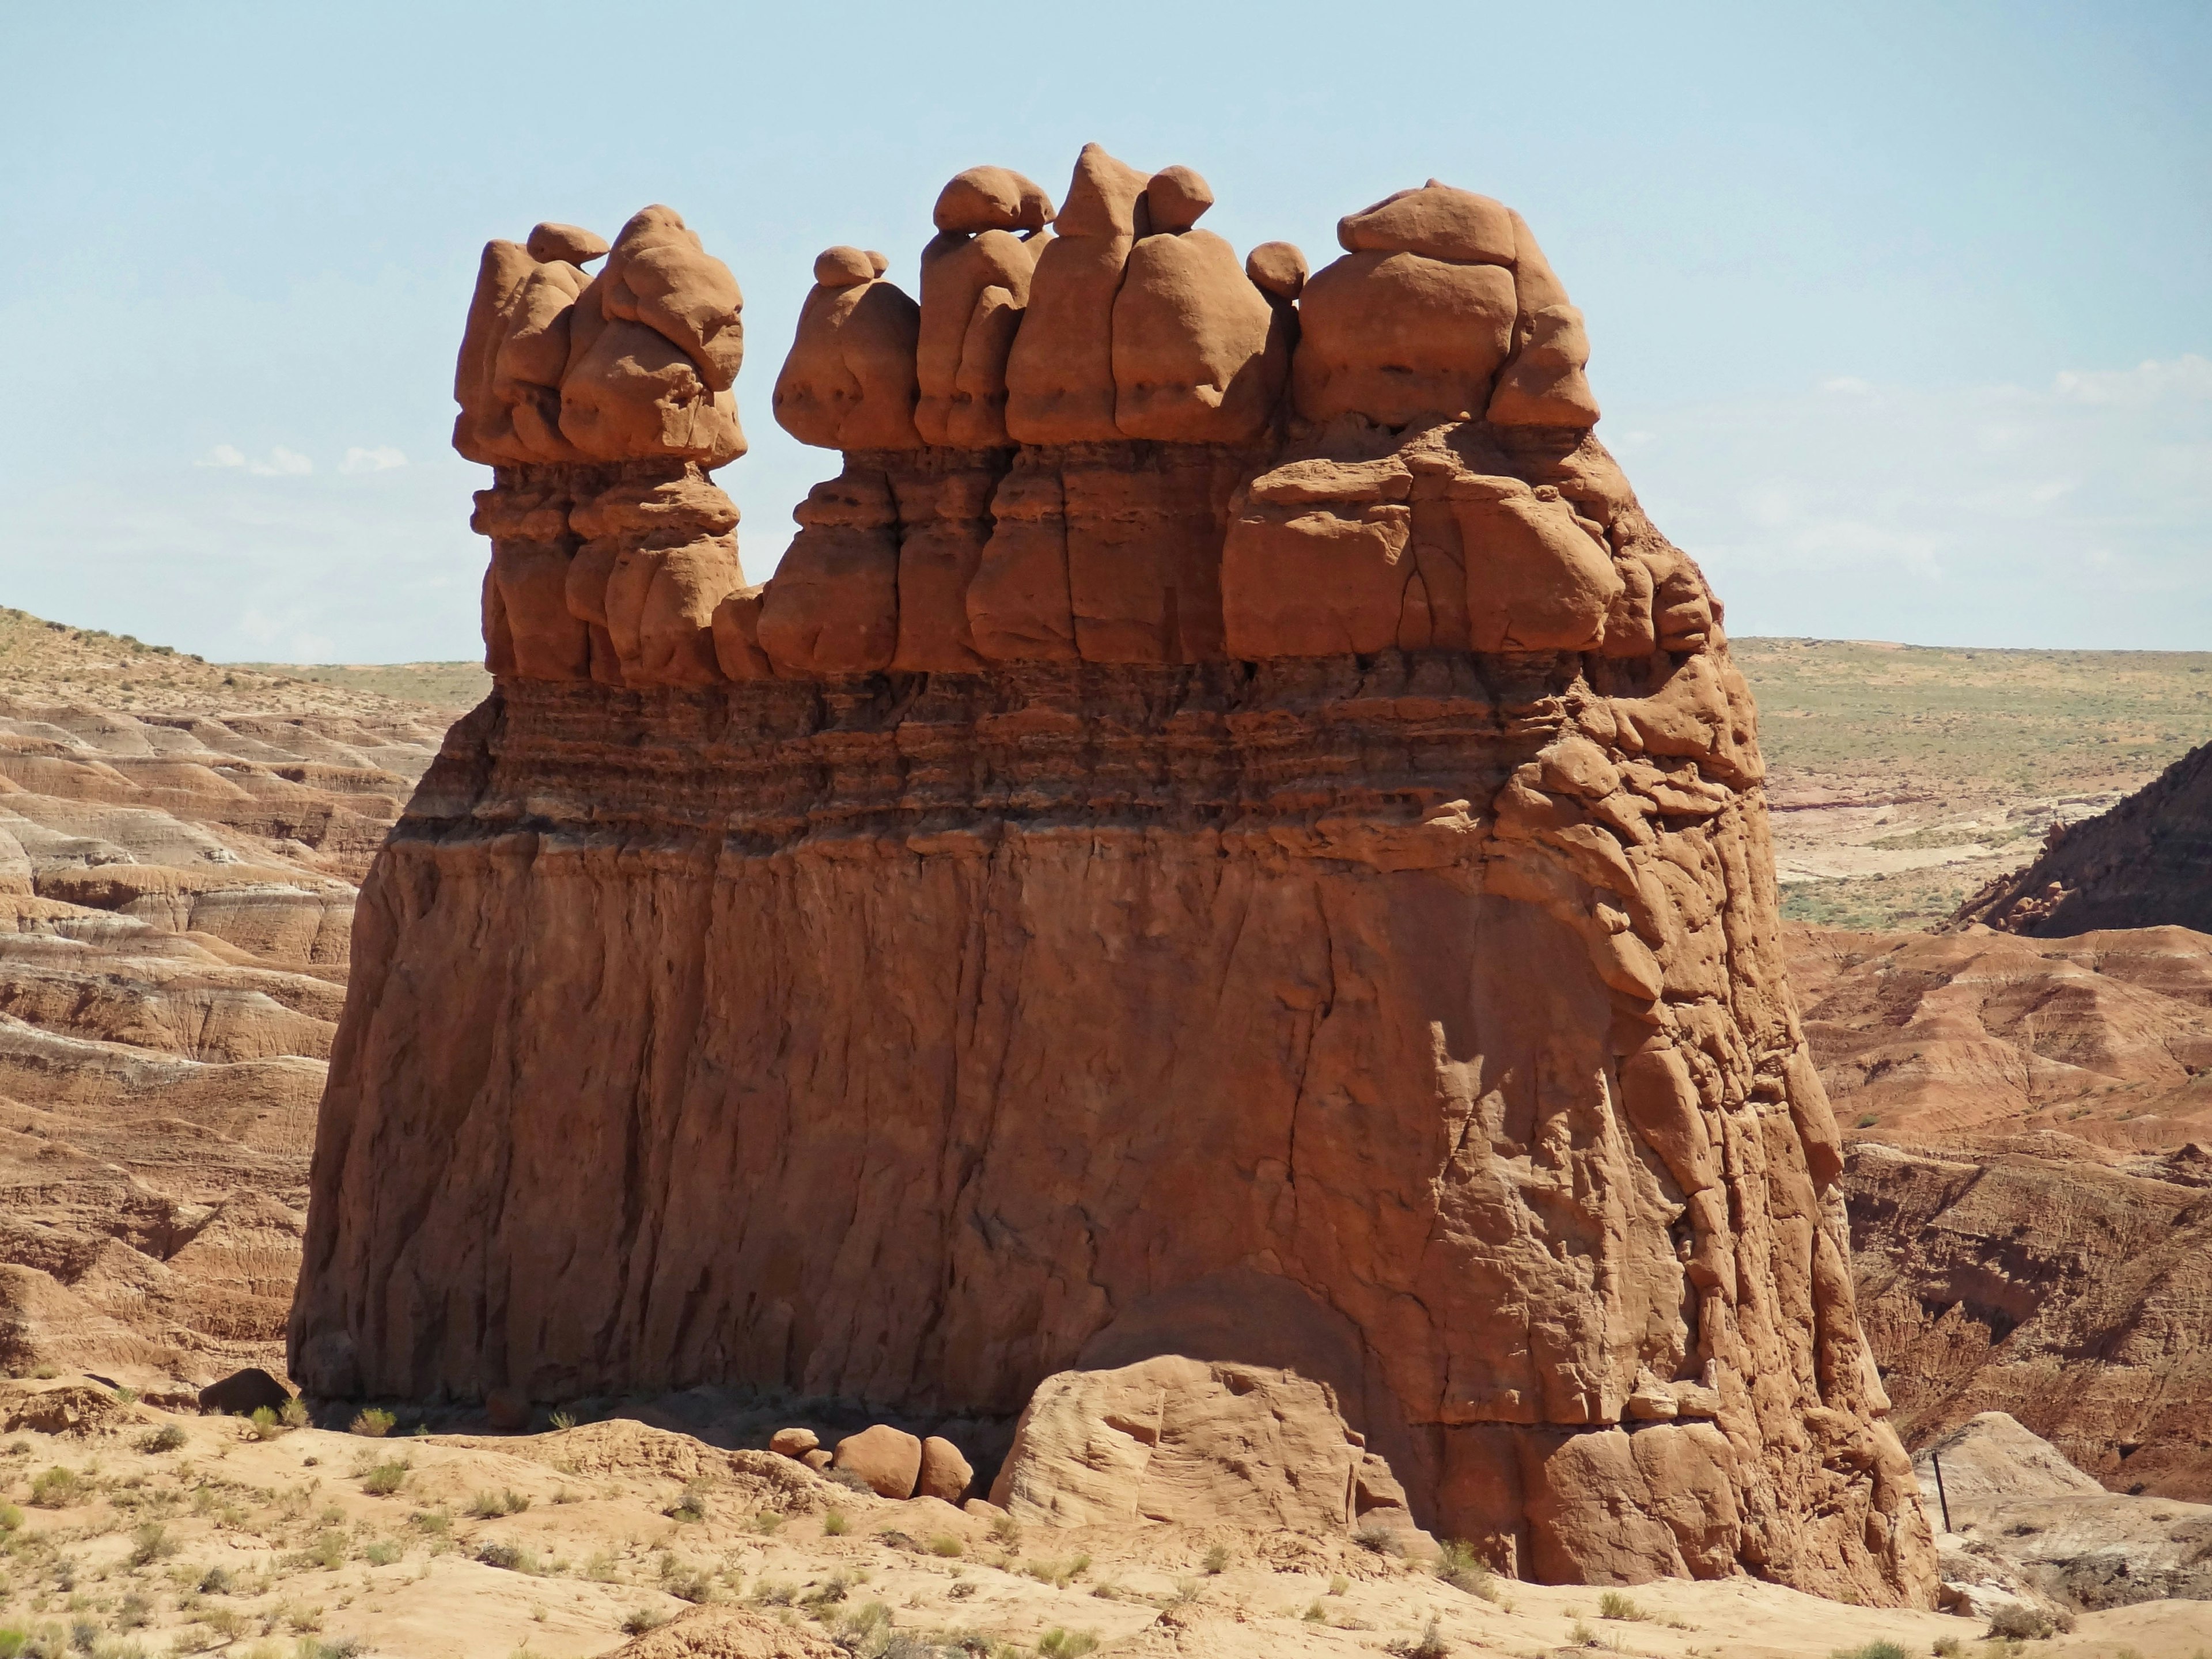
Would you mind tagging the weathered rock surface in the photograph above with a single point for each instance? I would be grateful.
(2146, 863)
(1179, 1440)
(1279, 880)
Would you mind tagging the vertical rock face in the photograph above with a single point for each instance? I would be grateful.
(1286, 891)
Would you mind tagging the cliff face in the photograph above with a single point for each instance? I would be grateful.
(1287, 888)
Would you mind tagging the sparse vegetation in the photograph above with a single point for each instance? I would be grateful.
(1379, 1538)
(638, 1621)
(492, 1506)
(1058, 1644)
(372, 1422)
(834, 1524)
(266, 1424)
(167, 1438)
(384, 1479)
(945, 1544)
(57, 1488)
(1879, 1650)
(1616, 1604)
(1429, 1644)
(1217, 1559)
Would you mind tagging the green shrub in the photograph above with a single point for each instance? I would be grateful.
(1614, 1605)
(372, 1422)
(11, 1518)
(383, 1552)
(834, 1524)
(167, 1438)
(511, 1556)
(1217, 1558)
(491, 1505)
(386, 1478)
(638, 1621)
(293, 1415)
(150, 1544)
(1058, 1644)
(946, 1545)
(264, 1422)
(1872, 1650)
(57, 1489)
(1458, 1566)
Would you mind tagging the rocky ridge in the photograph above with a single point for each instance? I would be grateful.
(1083, 905)
(2146, 863)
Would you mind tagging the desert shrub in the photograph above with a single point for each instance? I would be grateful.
(383, 1552)
(150, 1544)
(1315, 1612)
(167, 1438)
(1458, 1566)
(1880, 1650)
(265, 1425)
(1429, 1644)
(511, 1556)
(562, 1422)
(372, 1422)
(293, 1413)
(946, 1545)
(1379, 1538)
(1217, 1558)
(771, 1594)
(1006, 1530)
(215, 1581)
(767, 1523)
(1058, 1644)
(328, 1552)
(11, 1518)
(961, 1590)
(13, 1638)
(834, 1524)
(436, 1522)
(1614, 1605)
(491, 1505)
(346, 1647)
(132, 1612)
(691, 1506)
(386, 1477)
(2020, 1623)
(57, 1489)
(687, 1582)
(849, 1479)
(638, 1621)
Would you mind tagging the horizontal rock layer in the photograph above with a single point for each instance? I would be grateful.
(1414, 1021)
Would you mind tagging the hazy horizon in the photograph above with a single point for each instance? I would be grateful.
(1902, 324)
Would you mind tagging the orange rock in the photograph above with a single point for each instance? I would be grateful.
(571, 244)
(991, 198)
(1397, 337)
(1544, 385)
(1436, 222)
(1278, 268)
(793, 1442)
(945, 1473)
(1199, 355)
(833, 606)
(817, 1460)
(849, 381)
(1059, 375)
(889, 1460)
(658, 274)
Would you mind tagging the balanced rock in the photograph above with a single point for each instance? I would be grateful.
(793, 1442)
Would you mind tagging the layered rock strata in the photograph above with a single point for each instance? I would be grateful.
(1229, 834)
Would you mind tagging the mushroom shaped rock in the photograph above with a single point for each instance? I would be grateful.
(1198, 353)
(570, 243)
(1544, 385)
(888, 1459)
(975, 289)
(1059, 375)
(658, 274)
(533, 356)
(849, 382)
(991, 198)
(482, 432)
(793, 1443)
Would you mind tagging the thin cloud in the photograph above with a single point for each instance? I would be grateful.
(279, 463)
(382, 458)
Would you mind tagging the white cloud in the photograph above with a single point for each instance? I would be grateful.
(2075, 513)
(1849, 386)
(382, 458)
(281, 463)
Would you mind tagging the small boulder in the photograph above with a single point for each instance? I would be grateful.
(508, 1409)
(817, 1460)
(888, 1459)
(572, 244)
(944, 1473)
(793, 1442)
(243, 1393)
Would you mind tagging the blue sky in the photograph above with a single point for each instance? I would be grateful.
(1902, 315)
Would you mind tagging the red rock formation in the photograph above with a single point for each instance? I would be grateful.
(1291, 892)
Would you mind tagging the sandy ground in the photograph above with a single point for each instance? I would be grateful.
(183, 1534)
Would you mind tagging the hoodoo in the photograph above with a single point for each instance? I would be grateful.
(1228, 834)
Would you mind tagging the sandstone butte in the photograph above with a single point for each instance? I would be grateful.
(1229, 834)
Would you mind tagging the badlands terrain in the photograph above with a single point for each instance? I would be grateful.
(178, 853)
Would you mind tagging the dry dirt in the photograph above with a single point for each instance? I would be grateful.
(181, 1534)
